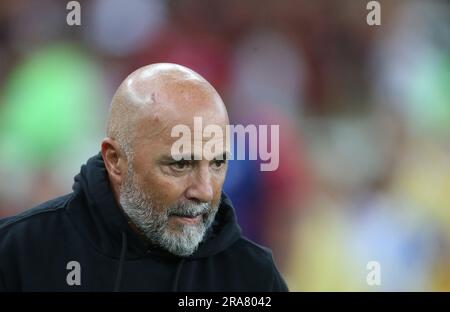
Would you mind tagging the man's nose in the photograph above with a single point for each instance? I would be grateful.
(201, 189)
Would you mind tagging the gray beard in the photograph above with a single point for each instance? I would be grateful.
(181, 241)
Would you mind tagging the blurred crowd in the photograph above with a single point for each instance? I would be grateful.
(364, 115)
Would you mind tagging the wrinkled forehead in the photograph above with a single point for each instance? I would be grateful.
(188, 137)
(193, 107)
(165, 125)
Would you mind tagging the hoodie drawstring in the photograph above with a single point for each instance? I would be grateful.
(177, 275)
(122, 259)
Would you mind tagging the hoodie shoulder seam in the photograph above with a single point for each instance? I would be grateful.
(39, 210)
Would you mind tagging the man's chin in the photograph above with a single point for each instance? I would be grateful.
(182, 239)
(179, 227)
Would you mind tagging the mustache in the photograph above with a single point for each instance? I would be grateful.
(189, 209)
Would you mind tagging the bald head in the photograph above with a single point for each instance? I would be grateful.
(156, 96)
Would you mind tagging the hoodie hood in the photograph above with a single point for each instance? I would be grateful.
(106, 227)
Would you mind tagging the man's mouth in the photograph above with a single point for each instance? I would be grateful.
(188, 218)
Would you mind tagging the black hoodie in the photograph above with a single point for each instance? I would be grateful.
(83, 242)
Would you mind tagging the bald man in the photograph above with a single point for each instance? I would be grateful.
(142, 216)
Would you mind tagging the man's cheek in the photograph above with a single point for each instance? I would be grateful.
(171, 187)
(159, 188)
(218, 187)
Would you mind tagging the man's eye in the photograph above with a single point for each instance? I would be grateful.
(217, 163)
(180, 165)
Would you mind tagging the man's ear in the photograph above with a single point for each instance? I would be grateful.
(115, 161)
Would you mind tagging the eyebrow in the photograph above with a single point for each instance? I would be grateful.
(222, 156)
(169, 158)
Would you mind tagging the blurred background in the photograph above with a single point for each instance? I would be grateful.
(364, 115)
